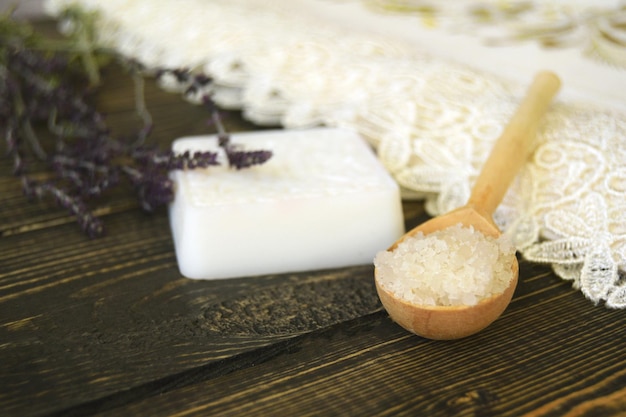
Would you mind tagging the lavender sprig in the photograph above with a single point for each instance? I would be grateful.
(81, 155)
(237, 157)
(89, 223)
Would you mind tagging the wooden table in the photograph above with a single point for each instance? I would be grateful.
(110, 327)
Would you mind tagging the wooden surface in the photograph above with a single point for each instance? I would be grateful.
(110, 327)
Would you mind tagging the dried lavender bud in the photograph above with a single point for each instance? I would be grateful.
(197, 160)
(88, 223)
(183, 75)
(202, 80)
(167, 160)
(174, 80)
(154, 188)
(244, 159)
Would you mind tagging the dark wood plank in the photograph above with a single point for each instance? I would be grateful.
(537, 359)
(82, 319)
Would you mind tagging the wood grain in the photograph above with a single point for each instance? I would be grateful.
(544, 362)
(109, 326)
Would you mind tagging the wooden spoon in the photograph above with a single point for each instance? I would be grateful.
(508, 155)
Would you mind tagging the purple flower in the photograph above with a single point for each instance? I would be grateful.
(83, 157)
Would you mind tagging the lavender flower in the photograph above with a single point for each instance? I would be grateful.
(90, 224)
(244, 159)
(79, 151)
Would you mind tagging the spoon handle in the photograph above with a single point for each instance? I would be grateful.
(513, 147)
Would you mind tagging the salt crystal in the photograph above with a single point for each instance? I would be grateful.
(454, 266)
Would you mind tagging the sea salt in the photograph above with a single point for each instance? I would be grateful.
(454, 266)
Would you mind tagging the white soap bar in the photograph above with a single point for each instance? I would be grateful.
(322, 201)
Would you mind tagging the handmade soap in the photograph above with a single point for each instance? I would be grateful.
(322, 201)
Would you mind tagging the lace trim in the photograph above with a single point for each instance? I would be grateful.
(431, 119)
(596, 28)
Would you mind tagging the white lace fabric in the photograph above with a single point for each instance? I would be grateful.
(432, 119)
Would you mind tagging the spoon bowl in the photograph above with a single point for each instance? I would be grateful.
(449, 322)
(508, 155)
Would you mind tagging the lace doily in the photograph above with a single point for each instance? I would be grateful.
(429, 99)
